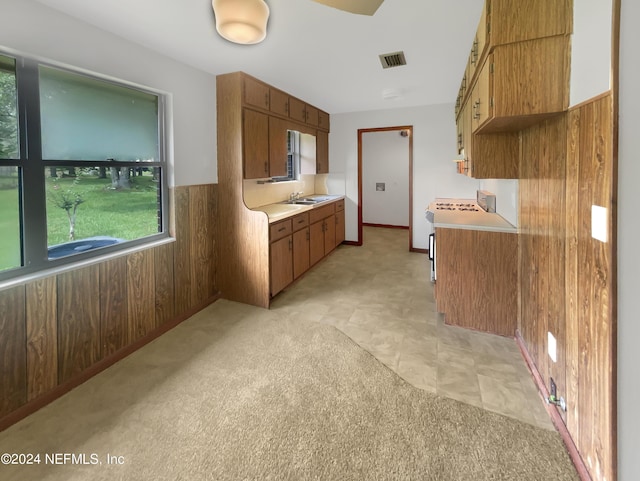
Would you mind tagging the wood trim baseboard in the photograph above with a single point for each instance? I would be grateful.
(386, 226)
(352, 243)
(50, 396)
(577, 460)
(420, 251)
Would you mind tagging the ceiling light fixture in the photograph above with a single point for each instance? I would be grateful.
(241, 21)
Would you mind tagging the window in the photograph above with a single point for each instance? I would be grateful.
(82, 169)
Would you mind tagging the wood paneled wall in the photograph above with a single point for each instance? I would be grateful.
(566, 276)
(53, 329)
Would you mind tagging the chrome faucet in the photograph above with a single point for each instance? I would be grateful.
(295, 196)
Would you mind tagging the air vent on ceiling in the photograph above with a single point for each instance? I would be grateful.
(395, 59)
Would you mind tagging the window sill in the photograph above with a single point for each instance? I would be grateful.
(16, 281)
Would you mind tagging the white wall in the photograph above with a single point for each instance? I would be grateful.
(34, 29)
(434, 173)
(385, 159)
(590, 49)
(628, 251)
(506, 191)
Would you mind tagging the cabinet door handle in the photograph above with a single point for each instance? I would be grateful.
(266, 167)
(476, 110)
(266, 100)
(281, 229)
(286, 107)
(290, 244)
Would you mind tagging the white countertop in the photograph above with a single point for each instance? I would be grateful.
(281, 210)
(471, 220)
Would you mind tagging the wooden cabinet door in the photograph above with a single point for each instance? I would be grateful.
(322, 152)
(323, 120)
(279, 102)
(460, 137)
(256, 144)
(256, 93)
(329, 234)
(340, 230)
(316, 242)
(311, 115)
(277, 147)
(297, 110)
(479, 43)
(301, 251)
(281, 257)
(467, 137)
(481, 97)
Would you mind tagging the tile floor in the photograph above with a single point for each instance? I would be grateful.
(380, 296)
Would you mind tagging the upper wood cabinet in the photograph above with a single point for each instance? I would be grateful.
(277, 147)
(278, 102)
(256, 144)
(479, 46)
(517, 74)
(521, 84)
(322, 152)
(297, 110)
(259, 95)
(256, 93)
(323, 120)
(511, 21)
(311, 114)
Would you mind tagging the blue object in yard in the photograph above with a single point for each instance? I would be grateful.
(82, 245)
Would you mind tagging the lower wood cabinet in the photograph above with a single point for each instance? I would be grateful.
(281, 253)
(477, 279)
(339, 221)
(299, 242)
(323, 231)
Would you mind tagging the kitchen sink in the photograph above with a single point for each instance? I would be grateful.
(303, 201)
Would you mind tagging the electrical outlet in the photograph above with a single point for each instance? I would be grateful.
(551, 346)
(553, 391)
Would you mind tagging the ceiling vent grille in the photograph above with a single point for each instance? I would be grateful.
(395, 59)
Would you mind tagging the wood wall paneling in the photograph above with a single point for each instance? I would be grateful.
(165, 305)
(114, 307)
(79, 343)
(202, 242)
(141, 294)
(13, 349)
(596, 344)
(566, 277)
(42, 341)
(182, 250)
(572, 336)
(55, 330)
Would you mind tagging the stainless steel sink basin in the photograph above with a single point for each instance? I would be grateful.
(302, 201)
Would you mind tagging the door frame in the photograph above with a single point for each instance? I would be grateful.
(408, 128)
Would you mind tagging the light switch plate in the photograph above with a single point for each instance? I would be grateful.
(551, 346)
(599, 224)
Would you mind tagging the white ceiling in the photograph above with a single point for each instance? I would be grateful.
(324, 56)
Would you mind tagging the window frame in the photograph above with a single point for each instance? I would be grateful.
(32, 170)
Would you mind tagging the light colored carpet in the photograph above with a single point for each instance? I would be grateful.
(239, 393)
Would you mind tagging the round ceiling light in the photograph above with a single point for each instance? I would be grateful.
(241, 21)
